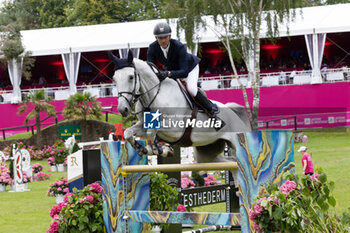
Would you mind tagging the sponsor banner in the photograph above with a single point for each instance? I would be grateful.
(203, 195)
(317, 120)
(66, 131)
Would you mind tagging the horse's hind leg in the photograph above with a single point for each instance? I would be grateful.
(211, 152)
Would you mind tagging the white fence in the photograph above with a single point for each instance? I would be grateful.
(207, 83)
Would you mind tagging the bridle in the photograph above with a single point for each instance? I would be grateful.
(138, 96)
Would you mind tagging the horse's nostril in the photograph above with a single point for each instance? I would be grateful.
(126, 109)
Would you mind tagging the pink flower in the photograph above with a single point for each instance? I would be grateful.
(187, 183)
(314, 176)
(59, 189)
(53, 227)
(96, 188)
(255, 211)
(89, 198)
(66, 190)
(288, 186)
(261, 199)
(65, 198)
(257, 227)
(181, 208)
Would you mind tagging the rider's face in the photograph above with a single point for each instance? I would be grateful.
(163, 41)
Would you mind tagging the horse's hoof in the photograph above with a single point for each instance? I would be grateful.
(144, 151)
(160, 150)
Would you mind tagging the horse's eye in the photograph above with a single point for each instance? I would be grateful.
(131, 77)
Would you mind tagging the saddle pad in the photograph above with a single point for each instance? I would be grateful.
(191, 101)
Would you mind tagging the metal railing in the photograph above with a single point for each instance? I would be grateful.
(215, 82)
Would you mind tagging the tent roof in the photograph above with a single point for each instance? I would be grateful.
(321, 19)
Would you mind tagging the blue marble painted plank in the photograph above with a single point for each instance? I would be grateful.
(263, 157)
(203, 218)
(113, 156)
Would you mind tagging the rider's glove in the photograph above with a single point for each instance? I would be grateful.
(163, 75)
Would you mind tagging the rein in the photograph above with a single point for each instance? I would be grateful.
(137, 97)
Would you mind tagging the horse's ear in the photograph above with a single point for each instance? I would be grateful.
(112, 57)
(130, 56)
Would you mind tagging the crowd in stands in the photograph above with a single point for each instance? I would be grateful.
(297, 60)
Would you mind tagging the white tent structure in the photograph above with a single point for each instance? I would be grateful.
(313, 22)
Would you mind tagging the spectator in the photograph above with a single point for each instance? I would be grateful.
(1, 97)
(306, 161)
(42, 80)
(282, 78)
(291, 76)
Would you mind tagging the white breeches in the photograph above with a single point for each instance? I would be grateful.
(192, 80)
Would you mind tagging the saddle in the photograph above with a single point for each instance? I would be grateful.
(191, 101)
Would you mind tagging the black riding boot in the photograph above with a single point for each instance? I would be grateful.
(204, 102)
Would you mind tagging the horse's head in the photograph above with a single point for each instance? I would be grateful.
(126, 81)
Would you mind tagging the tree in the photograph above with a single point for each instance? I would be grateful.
(89, 12)
(238, 24)
(11, 48)
(35, 14)
(82, 107)
(41, 105)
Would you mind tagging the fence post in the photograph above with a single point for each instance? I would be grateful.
(3, 134)
(295, 123)
(32, 130)
(106, 116)
(267, 124)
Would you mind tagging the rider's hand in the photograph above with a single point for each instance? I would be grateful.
(163, 75)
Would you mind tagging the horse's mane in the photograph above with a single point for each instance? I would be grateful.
(144, 69)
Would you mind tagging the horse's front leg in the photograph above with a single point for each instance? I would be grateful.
(161, 149)
(129, 135)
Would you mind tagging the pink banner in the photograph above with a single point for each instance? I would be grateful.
(321, 105)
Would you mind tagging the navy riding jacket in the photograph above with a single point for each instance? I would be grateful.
(179, 62)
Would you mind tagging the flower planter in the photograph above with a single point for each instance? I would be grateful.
(60, 167)
(2, 187)
(53, 168)
(59, 198)
(25, 185)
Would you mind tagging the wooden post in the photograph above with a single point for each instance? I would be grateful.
(180, 167)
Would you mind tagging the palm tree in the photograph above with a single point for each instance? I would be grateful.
(41, 104)
(82, 107)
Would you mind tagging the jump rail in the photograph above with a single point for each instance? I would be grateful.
(180, 167)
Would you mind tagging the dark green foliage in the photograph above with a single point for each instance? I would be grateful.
(82, 107)
(198, 178)
(163, 197)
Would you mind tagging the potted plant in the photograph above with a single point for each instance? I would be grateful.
(61, 154)
(26, 179)
(37, 167)
(52, 163)
(81, 211)
(299, 205)
(58, 189)
(41, 176)
(5, 178)
(210, 180)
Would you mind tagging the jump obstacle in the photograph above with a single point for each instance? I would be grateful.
(262, 158)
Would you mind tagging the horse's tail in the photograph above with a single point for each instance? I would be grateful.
(241, 112)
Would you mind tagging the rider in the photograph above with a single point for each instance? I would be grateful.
(177, 63)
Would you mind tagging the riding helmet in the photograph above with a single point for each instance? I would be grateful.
(162, 29)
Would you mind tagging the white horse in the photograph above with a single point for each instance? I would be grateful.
(137, 83)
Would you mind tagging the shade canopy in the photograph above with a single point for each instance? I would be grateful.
(321, 19)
